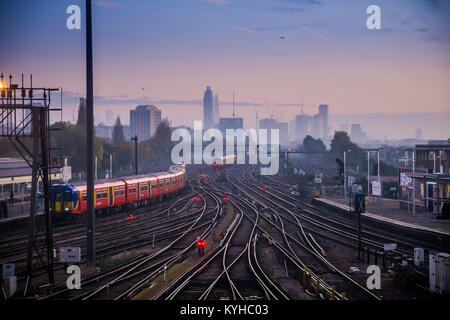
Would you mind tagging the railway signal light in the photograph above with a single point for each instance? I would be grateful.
(225, 198)
(341, 169)
(264, 188)
(197, 198)
(55, 162)
(130, 217)
(201, 247)
(375, 169)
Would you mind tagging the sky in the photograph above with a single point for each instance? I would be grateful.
(273, 52)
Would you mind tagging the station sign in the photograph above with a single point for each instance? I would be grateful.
(351, 180)
(376, 188)
(390, 246)
(69, 254)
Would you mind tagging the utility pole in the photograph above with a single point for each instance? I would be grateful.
(380, 198)
(110, 166)
(90, 137)
(414, 184)
(368, 173)
(135, 139)
(345, 175)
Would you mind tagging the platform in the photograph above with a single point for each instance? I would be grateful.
(390, 212)
(18, 211)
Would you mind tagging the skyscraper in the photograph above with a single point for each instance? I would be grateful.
(317, 126)
(208, 101)
(282, 127)
(302, 126)
(230, 123)
(323, 112)
(144, 121)
(418, 134)
(216, 116)
(356, 133)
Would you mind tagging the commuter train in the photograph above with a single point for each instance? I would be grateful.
(116, 194)
(223, 161)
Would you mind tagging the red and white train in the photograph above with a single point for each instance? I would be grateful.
(117, 193)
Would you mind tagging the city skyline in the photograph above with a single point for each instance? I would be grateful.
(275, 51)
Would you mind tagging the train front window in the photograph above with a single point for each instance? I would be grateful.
(67, 196)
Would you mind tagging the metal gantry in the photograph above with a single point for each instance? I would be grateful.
(24, 121)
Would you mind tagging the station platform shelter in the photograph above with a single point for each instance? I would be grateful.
(15, 175)
(425, 193)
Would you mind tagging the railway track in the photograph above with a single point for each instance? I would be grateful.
(240, 230)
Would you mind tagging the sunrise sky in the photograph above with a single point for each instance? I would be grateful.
(167, 52)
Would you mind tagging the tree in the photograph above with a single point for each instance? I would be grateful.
(71, 141)
(341, 142)
(161, 143)
(82, 113)
(312, 145)
(118, 135)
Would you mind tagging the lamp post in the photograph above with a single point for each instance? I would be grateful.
(89, 137)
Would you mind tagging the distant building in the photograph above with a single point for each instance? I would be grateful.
(102, 131)
(126, 133)
(109, 121)
(356, 133)
(230, 123)
(433, 156)
(208, 113)
(303, 124)
(144, 121)
(317, 126)
(323, 113)
(216, 113)
(419, 134)
(282, 128)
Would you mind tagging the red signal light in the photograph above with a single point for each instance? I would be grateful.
(203, 175)
(130, 217)
(201, 243)
(264, 187)
(197, 198)
(225, 198)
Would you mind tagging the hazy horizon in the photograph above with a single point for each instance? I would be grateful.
(274, 51)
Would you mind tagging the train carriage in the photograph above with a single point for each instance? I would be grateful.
(117, 193)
